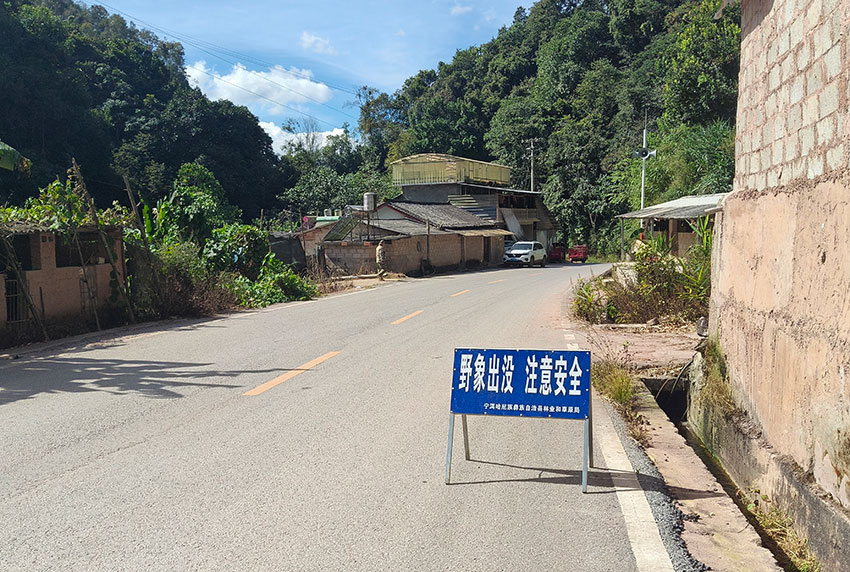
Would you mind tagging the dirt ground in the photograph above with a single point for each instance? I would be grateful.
(657, 349)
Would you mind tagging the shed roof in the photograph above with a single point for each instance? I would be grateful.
(406, 227)
(682, 208)
(443, 215)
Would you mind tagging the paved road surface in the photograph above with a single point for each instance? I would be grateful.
(143, 453)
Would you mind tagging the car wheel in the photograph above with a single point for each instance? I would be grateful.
(543, 262)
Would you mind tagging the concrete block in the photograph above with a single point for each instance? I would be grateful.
(807, 140)
(791, 146)
(803, 57)
(796, 93)
(814, 79)
(835, 158)
(772, 178)
(788, 71)
(832, 62)
(822, 40)
(815, 166)
(813, 14)
(810, 110)
(773, 77)
(778, 153)
(829, 99)
(826, 130)
(794, 119)
(796, 29)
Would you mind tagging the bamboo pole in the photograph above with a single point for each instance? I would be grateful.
(22, 281)
(80, 186)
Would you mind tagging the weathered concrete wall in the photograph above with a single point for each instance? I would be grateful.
(753, 462)
(781, 270)
(405, 255)
(352, 258)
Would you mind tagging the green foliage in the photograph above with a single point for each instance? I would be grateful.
(701, 82)
(276, 283)
(58, 207)
(195, 207)
(237, 247)
(588, 301)
(117, 99)
(663, 286)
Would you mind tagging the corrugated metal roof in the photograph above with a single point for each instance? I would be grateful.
(443, 215)
(682, 208)
(406, 227)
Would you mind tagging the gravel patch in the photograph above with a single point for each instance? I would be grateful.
(667, 515)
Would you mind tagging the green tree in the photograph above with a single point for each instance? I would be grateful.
(197, 205)
(702, 66)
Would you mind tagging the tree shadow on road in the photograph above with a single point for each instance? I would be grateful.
(153, 379)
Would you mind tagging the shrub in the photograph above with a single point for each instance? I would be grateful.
(588, 301)
(238, 247)
(276, 283)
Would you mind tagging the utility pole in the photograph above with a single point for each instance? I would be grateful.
(531, 148)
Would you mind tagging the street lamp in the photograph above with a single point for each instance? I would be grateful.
(643, 154)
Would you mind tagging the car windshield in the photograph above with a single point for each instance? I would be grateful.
(521, 246)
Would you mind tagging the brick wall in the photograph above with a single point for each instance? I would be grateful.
(353, 258)
(781, 268)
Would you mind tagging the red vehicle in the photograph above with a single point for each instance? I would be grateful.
(578, 253)
(556, 253)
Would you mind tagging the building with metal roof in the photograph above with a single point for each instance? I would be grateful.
(674, 218)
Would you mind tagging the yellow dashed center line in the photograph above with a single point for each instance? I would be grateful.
(459, 293)
(497, 281)
(400, 320)
(290, 374)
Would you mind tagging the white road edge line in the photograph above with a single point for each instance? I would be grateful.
(644, 538)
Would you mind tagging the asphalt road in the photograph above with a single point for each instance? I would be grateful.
(143, 452)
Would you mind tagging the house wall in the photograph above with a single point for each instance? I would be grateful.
(405, 255)
(781, 269)
(60, 288)
(353, 258)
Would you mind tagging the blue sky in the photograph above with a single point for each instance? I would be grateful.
(285, 59)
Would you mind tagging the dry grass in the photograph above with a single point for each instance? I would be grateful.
(326, 279)
(717, 390)
(617, 383)
(779, 527)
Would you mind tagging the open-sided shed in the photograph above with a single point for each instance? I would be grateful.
(674, 218)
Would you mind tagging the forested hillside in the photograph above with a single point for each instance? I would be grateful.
(574, 78)
(577, 79)
(78, 82)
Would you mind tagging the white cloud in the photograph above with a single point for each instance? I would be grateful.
(457, 9)
(270, 90)
(281, 137)
(316, 44)
(401, 33)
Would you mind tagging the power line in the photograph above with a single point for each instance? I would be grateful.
(210, 48)
(193, 41)
(237, 86)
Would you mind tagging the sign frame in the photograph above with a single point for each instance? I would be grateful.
(465, 408)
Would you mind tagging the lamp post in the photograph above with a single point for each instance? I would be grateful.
(643, 154)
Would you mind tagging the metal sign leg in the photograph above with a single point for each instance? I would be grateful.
(449, 448)
(590, 424)
(586, 455)
(465, 436)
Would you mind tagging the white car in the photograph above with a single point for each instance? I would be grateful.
(525, 253)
